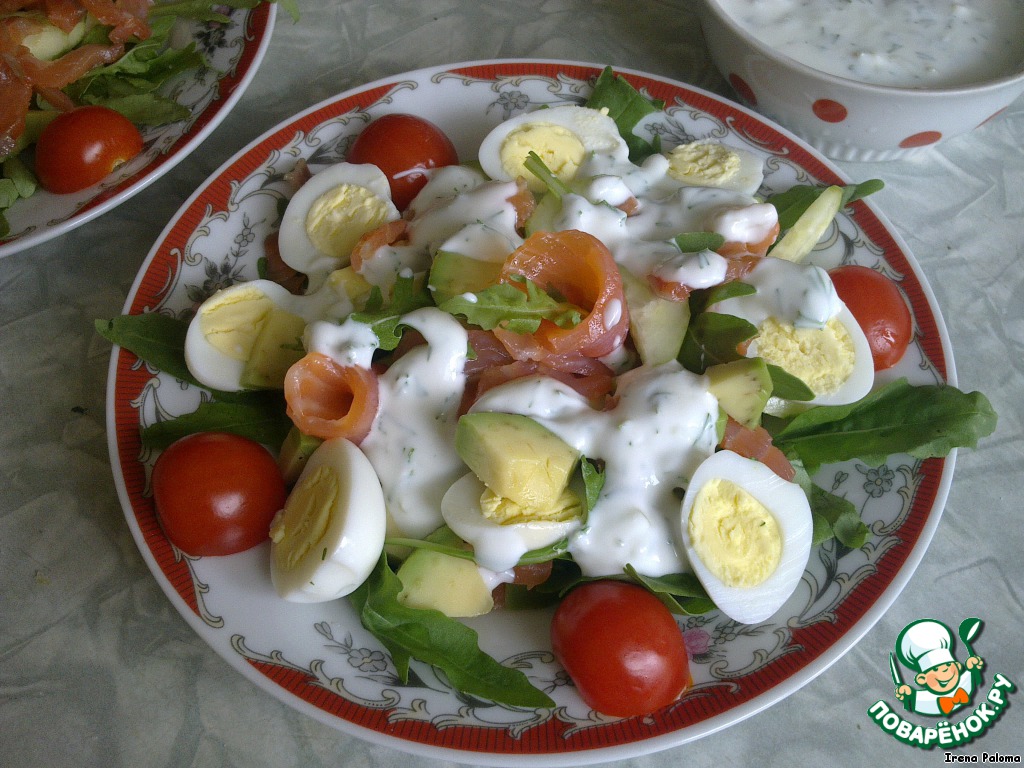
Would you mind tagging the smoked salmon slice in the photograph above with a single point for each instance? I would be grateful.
(578, 267)
(326, 399)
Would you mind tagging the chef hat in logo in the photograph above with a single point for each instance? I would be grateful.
(925, 644)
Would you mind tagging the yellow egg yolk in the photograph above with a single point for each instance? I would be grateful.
(822, 358)
(305, 517)
(340, 216)
(559, 148)
(232, 325)
(734, 535)
(701, 163)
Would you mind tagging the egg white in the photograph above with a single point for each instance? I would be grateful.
(496, 546)
(747, 178)
(297, 249)
(595, 130)
(788, 505)
(208, 364)
(352, 541)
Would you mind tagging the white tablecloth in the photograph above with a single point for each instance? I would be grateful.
(98, 669)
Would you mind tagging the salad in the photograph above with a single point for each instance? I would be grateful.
(553, 376)
(102, 62)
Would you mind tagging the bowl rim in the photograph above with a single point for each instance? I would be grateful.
(972, 89)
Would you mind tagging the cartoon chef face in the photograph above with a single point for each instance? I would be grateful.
(941, 678)
(926, 646)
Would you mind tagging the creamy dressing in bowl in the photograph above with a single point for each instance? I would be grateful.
(895, 43)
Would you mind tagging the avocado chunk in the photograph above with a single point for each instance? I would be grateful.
(742, 388)
(453, 274)
(295, 452)
(516, 457)
(445, 583)
(277, 346)
(543, 217)
(656, 324)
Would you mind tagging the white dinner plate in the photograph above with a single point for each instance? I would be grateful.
(233, 53)
(318, 658)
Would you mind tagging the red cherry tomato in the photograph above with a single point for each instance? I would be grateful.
(82, 147)
(880, 310)
(621, 647)
(216, 493)
(403, 146)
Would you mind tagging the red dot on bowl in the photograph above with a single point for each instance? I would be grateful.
(829, 111)
(922, 139)
(745, 91)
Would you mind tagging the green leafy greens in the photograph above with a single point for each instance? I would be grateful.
(925, 421)
(433, 638)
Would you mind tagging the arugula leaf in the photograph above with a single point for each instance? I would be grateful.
(695, 242)
(408, 294)
(507, 305)
(787, 386)
(627, 107)
(435, 639)
(536, 166)
(682, 593)
(593, 481)
(156, 338)
(16, 182)
(713, 338)
(262, 419)
(705, 297)
(791, 203)
(159, 341)
(131, 83)
(924, 421)
(836, 517)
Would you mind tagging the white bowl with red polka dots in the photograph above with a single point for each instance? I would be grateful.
(842, 118)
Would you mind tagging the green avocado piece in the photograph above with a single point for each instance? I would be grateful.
(453, 274)
(657, 325)
(295, 452)
(742, 388)
(516, 457)
(445, 583)
(277, 346)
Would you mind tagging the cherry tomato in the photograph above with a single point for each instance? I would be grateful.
(82, 147)
(402, 146)
(216, 493)
(621, 647)
(880, 310)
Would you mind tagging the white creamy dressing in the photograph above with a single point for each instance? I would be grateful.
(461, 212)
(411, 444)
(902, 43)
(799, 294)
(703, 269)
(663, 423)
(651, 442)
(642, 242)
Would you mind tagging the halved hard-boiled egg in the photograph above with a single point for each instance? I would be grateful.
(804, 328)
(247, 335)
(501, 531)
(747, 534)
(329, 213)
(711, 164)
(243, 336)
(564, 138)
(330, 534)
